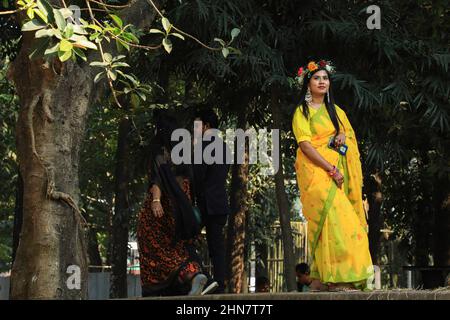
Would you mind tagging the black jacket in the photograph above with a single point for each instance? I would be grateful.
(210, 184)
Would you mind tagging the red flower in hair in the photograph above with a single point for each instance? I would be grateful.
(300, 71)
(322, 63)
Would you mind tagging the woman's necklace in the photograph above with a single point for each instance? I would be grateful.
(314, 105)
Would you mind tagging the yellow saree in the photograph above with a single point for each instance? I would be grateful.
(337, 226)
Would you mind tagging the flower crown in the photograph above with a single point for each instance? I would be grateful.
(313, 66)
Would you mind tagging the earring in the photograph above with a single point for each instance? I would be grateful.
(328, 95)
(308, 96)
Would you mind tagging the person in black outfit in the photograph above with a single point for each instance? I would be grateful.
(211, 196)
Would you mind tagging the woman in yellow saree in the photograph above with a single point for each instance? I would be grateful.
(330, 184)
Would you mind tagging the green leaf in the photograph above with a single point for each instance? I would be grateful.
(234, 33)
(46, 9)
(98, 64)
(225, 52)
(65, 46)
(83, 42)
(222, 43)
(59, 19)
(120, 45)
(166, 24)
(134, 100)
(130, 37)
(112, 75)
(78, 29)
(107, 56)
(80, 53)
(126, 90)
(68, 31)
(44, 33)
(156, 31)
(57, 34)
(177, 35)
(64, 55)
(120, 64)
(41, 15)
(131, 78)
(39, 47)
(66, 13)
(117, 20)
(33, 25)
(141, 95)
(94, 27)
(98, 76)
(116, 31)
(234, 50)
(167, 45)
(30, 13)
(119, 57)
(52, 50)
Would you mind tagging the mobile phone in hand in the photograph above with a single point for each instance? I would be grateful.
(341, 150)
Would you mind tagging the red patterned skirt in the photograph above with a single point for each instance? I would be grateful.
(166, 265)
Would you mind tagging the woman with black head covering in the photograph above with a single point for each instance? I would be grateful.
(167, 227)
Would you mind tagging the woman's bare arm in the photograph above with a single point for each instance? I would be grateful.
(156, 203)
(319, 161)
(315, 156)
(156, 192)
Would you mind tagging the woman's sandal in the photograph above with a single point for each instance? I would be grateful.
(198, 283)
(210, 289)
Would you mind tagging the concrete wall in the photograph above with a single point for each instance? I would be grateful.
(98, 286)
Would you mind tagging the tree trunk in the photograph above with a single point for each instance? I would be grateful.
(18, 217)
(442, 223)
(375, 199)
(283, 203)
(51, 260)
(121, 219)
(261, 268)
(237, 220)
(422, 222)
(93, 252)
(48, 133)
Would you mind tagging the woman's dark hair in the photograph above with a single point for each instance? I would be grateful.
(302, 268)
(208, 116)
(329, 101)
(165, 125)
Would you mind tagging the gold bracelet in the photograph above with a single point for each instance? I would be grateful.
(156, 200)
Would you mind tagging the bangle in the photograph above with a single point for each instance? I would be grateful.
(156, 200)
(332, 172)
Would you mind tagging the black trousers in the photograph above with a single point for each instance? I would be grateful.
(216, 246)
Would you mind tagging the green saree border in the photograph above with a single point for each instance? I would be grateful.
(323, 215)
(343, 161)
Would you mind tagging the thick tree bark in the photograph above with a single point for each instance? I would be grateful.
(283, 203)
(121, 219)
(51, 259)
(49, 130)
(237, 220)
